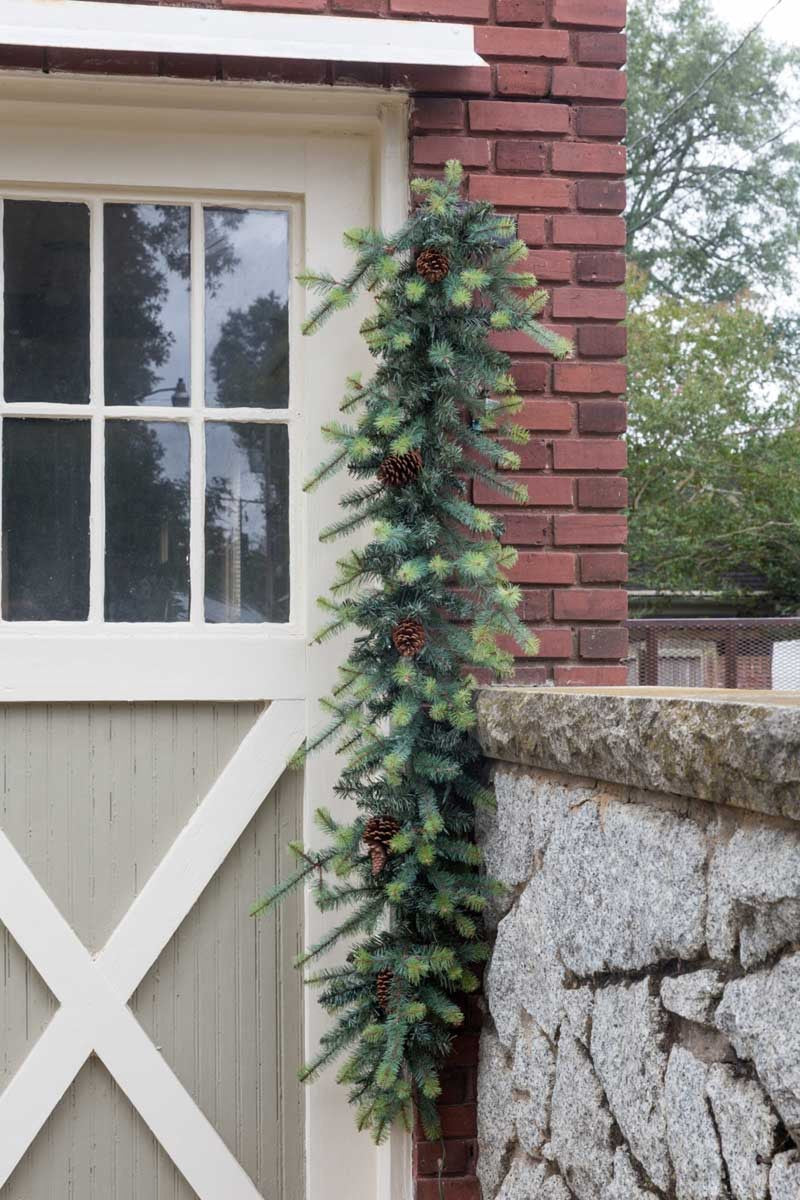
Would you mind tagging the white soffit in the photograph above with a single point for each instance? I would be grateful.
(97, 25)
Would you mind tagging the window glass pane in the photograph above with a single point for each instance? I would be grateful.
(46, 296)
(45, 520)
(146, 304)
(147, 521)
(247, 322)
(247, 522)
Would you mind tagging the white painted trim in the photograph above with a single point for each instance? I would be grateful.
(97, 25)
(93, 991)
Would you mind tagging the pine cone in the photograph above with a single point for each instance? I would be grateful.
(408, 636)
(397, 470)
(433, 265)
(378, 833)
(383, 987)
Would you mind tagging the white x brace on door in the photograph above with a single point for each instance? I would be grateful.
(329, 162)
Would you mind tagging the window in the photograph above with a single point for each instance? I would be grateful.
(145, 407)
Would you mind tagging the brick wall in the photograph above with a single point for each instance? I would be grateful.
(538, 130)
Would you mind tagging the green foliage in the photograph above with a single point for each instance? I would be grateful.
(403, 724)
(714, 187)
(714, 447)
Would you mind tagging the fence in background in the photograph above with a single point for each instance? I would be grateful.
(730, 653)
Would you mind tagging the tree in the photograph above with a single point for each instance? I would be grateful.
(714, 447)
(714, 184)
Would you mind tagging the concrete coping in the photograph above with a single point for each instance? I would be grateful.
(729, 747)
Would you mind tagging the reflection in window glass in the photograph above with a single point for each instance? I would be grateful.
(46, 299)
(45, 520)
(247, 522)
(147, 521)
(146, 304)
(247, 324)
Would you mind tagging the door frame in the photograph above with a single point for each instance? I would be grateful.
(319, 136)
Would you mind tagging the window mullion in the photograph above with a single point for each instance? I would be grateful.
(96, 405)
(197, 473)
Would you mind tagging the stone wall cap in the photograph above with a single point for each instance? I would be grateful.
(729, 747)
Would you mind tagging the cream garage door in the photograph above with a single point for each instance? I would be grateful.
(158, 570)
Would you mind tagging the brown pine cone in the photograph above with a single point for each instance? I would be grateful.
(383, 987)
(433, 265)
(378, 833)
(408, 636)
(397, 470)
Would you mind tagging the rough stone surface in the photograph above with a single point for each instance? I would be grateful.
(691, 1134)
(746, 1126)
(784, 1178)
(731, 751)
(581, 1124)
(626, 1049)
(644, 989)
(693, 996)
(760, 1015)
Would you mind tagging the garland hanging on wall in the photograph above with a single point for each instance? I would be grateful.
(428, 597)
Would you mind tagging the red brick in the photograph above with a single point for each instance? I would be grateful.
(456, 81)
(514, 342)
(602, 416)
(524, 528)
(551, 265)
(535, 605)
(529, 676)
(602, 49)
(523, 80)
(456, 1085)
(359, 73)
(603, 643)
(600, 122)
(531, 376)
(459, 1157)
(466, 1188)
(589, 83)
(464, 1051)
(521, 156)
(278, 69)
(509, 192)
(106, 62)
(589, 454)
(520, 12)
(293, 5)
(602, 14)
(603, 493)
(590, 378)
(432, 151)
(590, 676)
(515, 116)
(597, 529)
(364, 7)
(588, 231)
(461, 10)
(29, 58)
(458, 1120)
(604, 568)
(587, 158)
(552, 416)
(522, 43)
(541, 566)
(189, 66)
(532, 230)
(601, 267)
(603, 341)
(438, 114)
(544, 491)
(533, 456)
(605, 305)
(553, 643)
(590, 604)
(606, 195)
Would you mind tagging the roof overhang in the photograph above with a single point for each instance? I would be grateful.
(98, 25)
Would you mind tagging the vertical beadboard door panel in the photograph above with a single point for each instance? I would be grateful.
(96, 1147)
(224, 1005)
(94, 794)
(26, 1007)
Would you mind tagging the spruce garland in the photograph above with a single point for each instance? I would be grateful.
(428, 597)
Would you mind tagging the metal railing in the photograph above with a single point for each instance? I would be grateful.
(725, 653)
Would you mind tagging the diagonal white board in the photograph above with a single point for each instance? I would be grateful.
(93, 991)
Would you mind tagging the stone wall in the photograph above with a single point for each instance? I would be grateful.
(642, 1033)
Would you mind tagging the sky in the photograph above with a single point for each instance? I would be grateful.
(782, 25)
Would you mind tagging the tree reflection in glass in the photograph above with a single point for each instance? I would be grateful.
(147, 521)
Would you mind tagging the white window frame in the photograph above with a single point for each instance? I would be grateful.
(138, 141)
